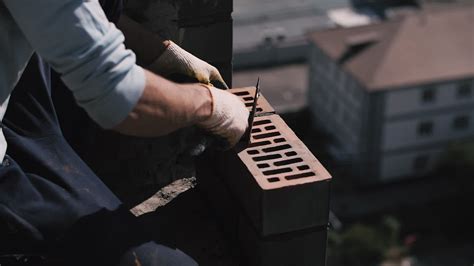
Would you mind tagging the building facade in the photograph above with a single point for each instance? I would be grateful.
(395, 95)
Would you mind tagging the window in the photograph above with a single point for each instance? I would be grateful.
(425, 128)
(461, 122)
(428, 95)
(464, 90)
(420, 162)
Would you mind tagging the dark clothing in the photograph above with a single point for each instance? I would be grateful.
(113, 9)
(50, 201)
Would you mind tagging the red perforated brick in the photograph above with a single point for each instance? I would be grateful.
(247, 94)
(280, 184)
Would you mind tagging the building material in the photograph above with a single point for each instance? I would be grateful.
(280, 184)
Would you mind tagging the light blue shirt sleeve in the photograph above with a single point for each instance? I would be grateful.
(76, 38)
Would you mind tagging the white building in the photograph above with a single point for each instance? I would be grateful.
(395, 94)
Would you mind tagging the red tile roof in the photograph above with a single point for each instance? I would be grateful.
(433, 45)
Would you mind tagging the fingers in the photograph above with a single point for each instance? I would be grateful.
(229, 119)
(217, 80)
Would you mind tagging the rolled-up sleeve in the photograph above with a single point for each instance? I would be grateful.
(76, 38)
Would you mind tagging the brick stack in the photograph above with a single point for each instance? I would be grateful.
(273, 196)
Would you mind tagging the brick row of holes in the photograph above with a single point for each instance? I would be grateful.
(303, 167)
(264, 165)
(258, 109)
(287, 162)
(270, 149)
(300, 167)
(249, 98)
(259, 143)
(267, 135)
(273, 179)
(242, 93)
(278, 171)
(301, 175)
(263, 143)
(279, 140)
(266, 157)
(253, 152)
(261, 122)
(291, 177)
(277, 148)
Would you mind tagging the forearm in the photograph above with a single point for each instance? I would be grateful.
(78, 41)
(147, 45)
(165, 107)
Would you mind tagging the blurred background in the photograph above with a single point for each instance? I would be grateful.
(382, 92)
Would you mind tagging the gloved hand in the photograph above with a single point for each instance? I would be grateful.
(229, 117)
(176, 60)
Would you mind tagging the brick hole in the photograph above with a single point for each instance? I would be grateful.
(277, 148)
(270, 127)
(277, 171)
(303, 167)
(289, 161)
(258, 144)
(242, 93)
(279, 140)
(273, 179)
(302, 175)
(253, 152)
(259, 109)
(267, 135)
(290, 153)
(248, 104)
(261, 122)
(263, 165)
(266, 157)
(249, 98)
(256, 130)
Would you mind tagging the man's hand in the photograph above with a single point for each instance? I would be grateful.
(164, 57)
(166, 106)
(176, 60)
(229, 117)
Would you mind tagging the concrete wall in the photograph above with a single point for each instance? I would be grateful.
(404, 133)
(335, 101)
(408, 101)
(405, 111)
(396, 166)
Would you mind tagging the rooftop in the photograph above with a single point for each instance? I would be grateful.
(283, 86)
(255, 21)
(433, 45)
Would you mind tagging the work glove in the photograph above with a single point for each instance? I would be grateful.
(229, 117)
(176, 60)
